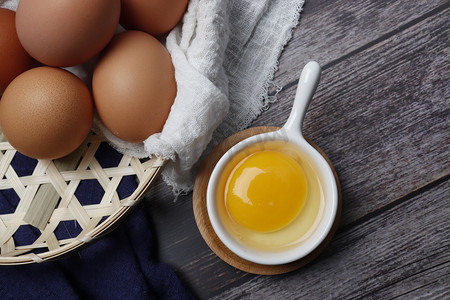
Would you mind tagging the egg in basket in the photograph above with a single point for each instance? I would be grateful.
(61, 184)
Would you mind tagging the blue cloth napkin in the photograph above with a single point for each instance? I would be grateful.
(120, 265)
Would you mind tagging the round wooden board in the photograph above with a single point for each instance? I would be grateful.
(205, 227)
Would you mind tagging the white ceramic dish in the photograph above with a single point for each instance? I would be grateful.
(291, 133)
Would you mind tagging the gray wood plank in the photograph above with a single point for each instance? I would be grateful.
(429, 284)
(401, 251)
(331, 30)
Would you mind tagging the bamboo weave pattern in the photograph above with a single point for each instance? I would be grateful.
(92, 219)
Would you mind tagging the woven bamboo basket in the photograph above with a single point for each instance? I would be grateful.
(47, 199)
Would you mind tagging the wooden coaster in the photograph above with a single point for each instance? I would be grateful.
(205, 227)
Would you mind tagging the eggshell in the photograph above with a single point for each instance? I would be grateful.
(46, 112)
(13, 58)
(155, 17)
(134, 86)
(66, 32)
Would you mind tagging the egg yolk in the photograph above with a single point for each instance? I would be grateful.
(266, 191)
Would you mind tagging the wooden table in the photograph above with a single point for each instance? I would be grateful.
(381, 114)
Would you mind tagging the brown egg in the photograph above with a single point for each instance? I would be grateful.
(134, 86)
(13, 58)
(66, 32)
(152, 16)
(46, 112)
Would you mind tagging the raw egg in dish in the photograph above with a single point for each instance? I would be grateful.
(46, 112)
(155, 17)
(13, 58)
(270, 199)
(66, 32)
(134, 86)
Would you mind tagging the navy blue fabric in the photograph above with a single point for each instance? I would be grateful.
(121, 265)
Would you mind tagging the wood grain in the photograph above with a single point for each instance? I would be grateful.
(331, 31)
(381, 113)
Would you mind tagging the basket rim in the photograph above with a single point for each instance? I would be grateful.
(82, 239)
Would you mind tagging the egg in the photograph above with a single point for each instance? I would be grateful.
(66, 32)
(155, 17)
(46, 112)
(266, 191)
(134, 86)
(13, 58)
(269, 196)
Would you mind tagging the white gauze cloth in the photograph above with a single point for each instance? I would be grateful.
(225, 53)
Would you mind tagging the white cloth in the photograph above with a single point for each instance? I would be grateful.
(225, 54)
